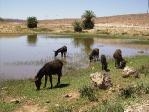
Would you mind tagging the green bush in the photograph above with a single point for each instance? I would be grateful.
(32, 22)
(88, 92)
(1, 19)
(127, 92)
(77, 26)
(132, 91)
(147, 90)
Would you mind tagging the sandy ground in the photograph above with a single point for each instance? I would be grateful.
(144, 107)
(109, 28)
(133, 24)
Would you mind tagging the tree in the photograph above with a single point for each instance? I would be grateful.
(32, 22)
(1, 19)
(87, 17)
(77, 26)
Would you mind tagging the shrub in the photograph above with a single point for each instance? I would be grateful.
(1, 19)
(147, 90)
(77, 26)
(127, 92)
(32, 22)
(131, 91)
(88, 92)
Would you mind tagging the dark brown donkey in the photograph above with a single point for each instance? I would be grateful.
(62, 50)
(94, 55)
(49, 69)
(119, 61)
(104, 63)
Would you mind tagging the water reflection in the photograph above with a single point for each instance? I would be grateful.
(86, 42)
(32, 39)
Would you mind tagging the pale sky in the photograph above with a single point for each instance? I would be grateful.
(58, 9)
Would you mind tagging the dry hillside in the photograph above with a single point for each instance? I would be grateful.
(135, 19)
(135, 24)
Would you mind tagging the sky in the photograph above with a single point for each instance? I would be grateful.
(58, 9)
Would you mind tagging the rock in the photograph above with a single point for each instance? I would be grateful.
(129, 71)
(96, 78)
(72, 95)
(137, 108)
(57, 105)
(15, 101)
(101, 80)
(68, 96)
(47, 101)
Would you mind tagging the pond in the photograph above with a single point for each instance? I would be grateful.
(22, 56)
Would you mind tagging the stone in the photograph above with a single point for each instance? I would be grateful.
(101, 80)
(129, 71)
(68, 96)
(15, 101)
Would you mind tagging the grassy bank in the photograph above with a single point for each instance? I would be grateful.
(18, 95)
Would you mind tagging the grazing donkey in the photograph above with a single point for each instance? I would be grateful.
(62, 50)
(49, 69)
(119, 61)
(104, 63)
(94, 55)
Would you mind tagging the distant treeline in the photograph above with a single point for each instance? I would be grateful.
(11, 20)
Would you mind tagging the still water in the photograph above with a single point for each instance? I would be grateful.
(22, 56)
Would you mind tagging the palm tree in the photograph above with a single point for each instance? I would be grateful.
(87, 17)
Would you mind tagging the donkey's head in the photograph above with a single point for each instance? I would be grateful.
(37, 82)
(56, 53)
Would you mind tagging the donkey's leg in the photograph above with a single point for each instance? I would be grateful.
(102, 66)
(61, 54)
(115, 62)
(51, 81)
(46, 77)
(59, 78)
(118, 63)
(65, 54)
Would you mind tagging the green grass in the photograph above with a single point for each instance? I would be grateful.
(141, 42)
(6, 107)
(108, 107)
(73, 82)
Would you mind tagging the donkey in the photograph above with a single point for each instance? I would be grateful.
(104, 63)
(94, 55)
(49, 69)
(62, 50)
(119, 61)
